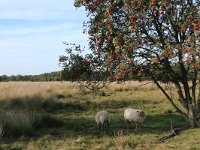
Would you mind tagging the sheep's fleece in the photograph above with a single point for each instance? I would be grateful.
(101, 117)
(134, 115)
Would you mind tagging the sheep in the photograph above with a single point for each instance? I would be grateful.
(101, 118)
(134, 115)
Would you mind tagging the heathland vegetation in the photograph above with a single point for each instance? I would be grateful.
(128, 40)
(58, 115)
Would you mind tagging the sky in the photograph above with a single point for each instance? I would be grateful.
(32, 33)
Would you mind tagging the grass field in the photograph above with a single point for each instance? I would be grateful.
(57, 116)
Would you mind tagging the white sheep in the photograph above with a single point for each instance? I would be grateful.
(134, 115)
(101, 118)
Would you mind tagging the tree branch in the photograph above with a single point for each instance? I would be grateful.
(168, 97)
(173, 133)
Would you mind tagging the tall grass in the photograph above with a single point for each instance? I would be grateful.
(62, 118)
(19, 122)
(13, 90)
(24, 106)
(2, 122)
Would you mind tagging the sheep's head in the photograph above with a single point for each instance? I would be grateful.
(141, 113)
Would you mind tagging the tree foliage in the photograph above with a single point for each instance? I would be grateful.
(87, 70)
(155, 38)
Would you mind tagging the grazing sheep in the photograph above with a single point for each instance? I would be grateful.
(134, 115)
(101, 118)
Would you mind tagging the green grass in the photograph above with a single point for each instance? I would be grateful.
(67, 122)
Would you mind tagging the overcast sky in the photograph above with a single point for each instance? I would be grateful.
(32, 33)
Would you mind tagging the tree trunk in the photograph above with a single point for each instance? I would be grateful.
(194, 112)
(191, 111)
(198, 108)
(192, 120)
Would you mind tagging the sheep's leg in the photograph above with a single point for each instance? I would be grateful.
(139, 126)
(103, 126)
(128, 124)
(108, 124)
(99, 127)
(102, 131)
(136, 126)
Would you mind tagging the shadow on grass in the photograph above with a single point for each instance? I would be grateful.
(49, 104)
(154, 124)
(54, 104)
(74, 127)
(165, 121)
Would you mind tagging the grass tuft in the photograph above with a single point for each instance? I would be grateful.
(19, 122)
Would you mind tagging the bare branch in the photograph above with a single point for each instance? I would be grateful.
(169, 98)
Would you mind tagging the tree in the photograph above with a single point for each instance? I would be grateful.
(87, 70)
(154, 38)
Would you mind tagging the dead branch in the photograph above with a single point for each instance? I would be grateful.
(173, 133)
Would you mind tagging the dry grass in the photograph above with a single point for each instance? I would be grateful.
(11, 90)
(64, 101)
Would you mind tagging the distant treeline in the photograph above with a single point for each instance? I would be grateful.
(53, 76)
